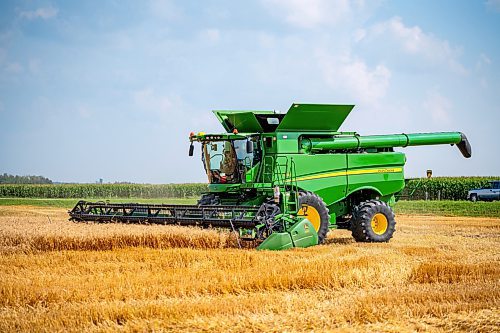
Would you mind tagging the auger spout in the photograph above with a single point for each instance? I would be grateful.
(354, 142)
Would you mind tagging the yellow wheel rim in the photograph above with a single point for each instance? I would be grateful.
(379, 224)
(312, 215)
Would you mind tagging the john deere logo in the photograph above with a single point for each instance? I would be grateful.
(306, 228)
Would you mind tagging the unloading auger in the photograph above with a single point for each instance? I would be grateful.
(285, 180)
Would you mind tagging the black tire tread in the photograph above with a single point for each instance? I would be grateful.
(207, 199)
(361, 221)
(312, 199)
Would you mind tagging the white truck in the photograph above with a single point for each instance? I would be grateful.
(489, 193)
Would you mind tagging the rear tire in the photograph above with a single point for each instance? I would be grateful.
(373, 221)
(473, 197)
(317, 213)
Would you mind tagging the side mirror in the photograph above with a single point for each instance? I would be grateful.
(191, 150)
(249, 147)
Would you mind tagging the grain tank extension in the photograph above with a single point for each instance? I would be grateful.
(285, 180)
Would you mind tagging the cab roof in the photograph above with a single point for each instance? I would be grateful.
(299, 118)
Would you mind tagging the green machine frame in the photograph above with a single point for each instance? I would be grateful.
(285, 180)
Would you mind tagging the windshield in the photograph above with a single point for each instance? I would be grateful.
(240, 147)
(222, 158)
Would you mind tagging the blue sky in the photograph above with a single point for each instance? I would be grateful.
(111, 89)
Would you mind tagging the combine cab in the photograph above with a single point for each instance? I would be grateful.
(285, 180)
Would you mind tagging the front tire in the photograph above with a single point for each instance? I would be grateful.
(473, 197)
(316, 212)
(208, 199)
(373, 221)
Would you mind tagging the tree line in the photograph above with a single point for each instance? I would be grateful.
(11, 179)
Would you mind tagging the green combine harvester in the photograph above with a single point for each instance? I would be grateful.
(285, 180)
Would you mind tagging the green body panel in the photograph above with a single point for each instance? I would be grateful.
(301, 234)
(244, 121)
(277, 241)
(336, 176)
(251, 174)
(323, 174)
(287, 142)
(381, 172)
(223, 188)
(333, 218)
(314, 117)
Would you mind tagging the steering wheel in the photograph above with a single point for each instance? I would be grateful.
(221, 155)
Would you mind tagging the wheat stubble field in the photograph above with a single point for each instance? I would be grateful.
(437, 274)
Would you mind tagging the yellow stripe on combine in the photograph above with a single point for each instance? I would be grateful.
(350, 173)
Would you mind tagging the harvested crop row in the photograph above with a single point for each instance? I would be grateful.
(50, 230)
(438, 273)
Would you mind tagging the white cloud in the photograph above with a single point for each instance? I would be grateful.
(121, 40)
(34, 66)
(266, 40)
(438, 107)
(482, 68)
(414, 41)
(43, 13)
(14, 67)
(359, 34)
(313, 13)
(354, 77)
(84, 112)
(149, 102)
(165, 9)
(493, 4)
(484, 83)
(3, 55)
(210, 35)
(483, 61)
(6, 35)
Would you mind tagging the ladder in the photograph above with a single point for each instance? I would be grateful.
(285, 177)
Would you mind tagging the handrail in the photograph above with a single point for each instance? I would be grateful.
(285, 176)
(281, 171)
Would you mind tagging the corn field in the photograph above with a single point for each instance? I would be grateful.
(439, 188)
(102, 191)
(443, 188)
